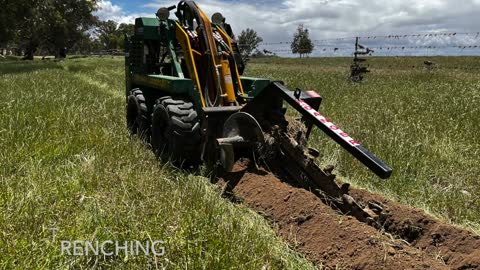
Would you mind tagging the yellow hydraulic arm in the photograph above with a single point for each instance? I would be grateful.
(220, 83)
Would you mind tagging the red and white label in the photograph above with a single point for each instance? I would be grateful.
(327, 123)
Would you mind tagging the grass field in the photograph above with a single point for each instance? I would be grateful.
(424, 124)
(67, 163)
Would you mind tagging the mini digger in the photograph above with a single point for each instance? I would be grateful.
(187, 99)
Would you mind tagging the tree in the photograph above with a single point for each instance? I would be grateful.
(11, 14)
(108, 34)
(124, 29)
(112, 35)
(248, 41)
(66, 21)
(15, 18)
(87, 43)
(302, 44)
(52, 24)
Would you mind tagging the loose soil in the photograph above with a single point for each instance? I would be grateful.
(408, 238)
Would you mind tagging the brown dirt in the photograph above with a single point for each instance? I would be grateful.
(334, 241)
(460, 249)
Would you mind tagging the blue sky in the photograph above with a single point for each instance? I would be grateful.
(276, 20)
(131, 6)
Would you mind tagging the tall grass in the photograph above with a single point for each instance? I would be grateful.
(423, 123)
(66, 162)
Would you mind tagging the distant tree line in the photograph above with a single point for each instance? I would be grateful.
(55, 27)
(249, 41)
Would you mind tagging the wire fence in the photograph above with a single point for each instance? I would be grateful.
(390, 36)
(418, 44)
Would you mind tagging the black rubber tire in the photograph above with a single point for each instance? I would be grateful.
(176, 134)
(138, 119)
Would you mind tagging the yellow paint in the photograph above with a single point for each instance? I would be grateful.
(216, 58)
(227, 82)
(184, 41)
(196, 52)
(228, 40)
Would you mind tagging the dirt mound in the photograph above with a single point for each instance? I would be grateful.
(460, 249)
(334, 240)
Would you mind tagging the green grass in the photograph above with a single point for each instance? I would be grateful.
(66, 162)
(5, 58)
(424, 124)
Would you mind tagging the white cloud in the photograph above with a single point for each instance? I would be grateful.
(108, 11)
(276, 21)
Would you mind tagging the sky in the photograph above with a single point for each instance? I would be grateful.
(276, 21)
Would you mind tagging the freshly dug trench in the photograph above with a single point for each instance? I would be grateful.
(459, 249)
(332, 240)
